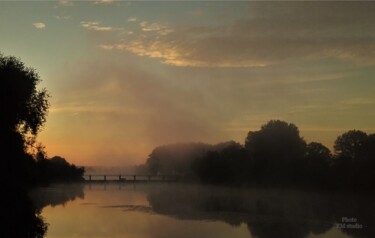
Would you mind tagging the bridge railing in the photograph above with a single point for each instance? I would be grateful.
(129, 178)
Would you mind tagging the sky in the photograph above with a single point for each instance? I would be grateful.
(125, 77)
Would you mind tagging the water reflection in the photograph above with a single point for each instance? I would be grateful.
(20, 214)
(57, 194)
(269, 212)
(180, 210)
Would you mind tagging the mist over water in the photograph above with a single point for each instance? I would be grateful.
(186, 210)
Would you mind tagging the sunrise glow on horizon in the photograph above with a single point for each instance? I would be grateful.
(126, 77)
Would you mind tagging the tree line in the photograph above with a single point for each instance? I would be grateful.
(24, 111)
(275, 155)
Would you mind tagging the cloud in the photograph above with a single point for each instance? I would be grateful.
(39, 25)
(132, 19)
(87, 107)
(196, 13)
(65, 3)
(274, 33)
(127, 103)
(108, 47)
(159, 28)
(360, 101)
(90, 25)
(103, 1)
(63, 17)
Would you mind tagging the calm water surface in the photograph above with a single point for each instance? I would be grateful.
(180, 210)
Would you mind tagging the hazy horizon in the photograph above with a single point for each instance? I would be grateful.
(126, 77)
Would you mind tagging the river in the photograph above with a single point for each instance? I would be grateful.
(153, 210)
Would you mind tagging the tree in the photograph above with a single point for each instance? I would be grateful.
(355, 161)
(178, 158)
(369, 147)
(57, 169)
(350, 144)
(175, 158)
(318, 154)
(23, 113)
(276, 138)
(317, 165)
(276, 151)
(225, 164)
(25, 106)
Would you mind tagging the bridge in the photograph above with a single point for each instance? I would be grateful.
(129, 178)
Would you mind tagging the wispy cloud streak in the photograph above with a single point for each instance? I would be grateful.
(269, 36)
(39, 25)
(92, 25)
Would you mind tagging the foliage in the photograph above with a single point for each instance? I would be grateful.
(25, 110)
(318, 160)
(355, 160)
(275, 140)
(275, 155)
(222, 166)
(57, 169)
(276, 152)
(350, 144)
(26, 107)
(178, 158)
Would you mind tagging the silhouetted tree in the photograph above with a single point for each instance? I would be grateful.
(368, 162)
(317, 165)
(222, 166)
(175, 158)
(178, 158)
(318, 154)
(25, 106)
(274, 155)
(369, 146)
(350, 145)
(57, 169)
(355, 161)
(276, 151)
(24, 110)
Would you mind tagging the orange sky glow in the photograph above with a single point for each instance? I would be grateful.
(126, 77)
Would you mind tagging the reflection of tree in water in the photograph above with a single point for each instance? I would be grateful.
(361, 208)
(269, 229)
(56, 195)
(267, 212)
(20, 216)
(287, 228)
